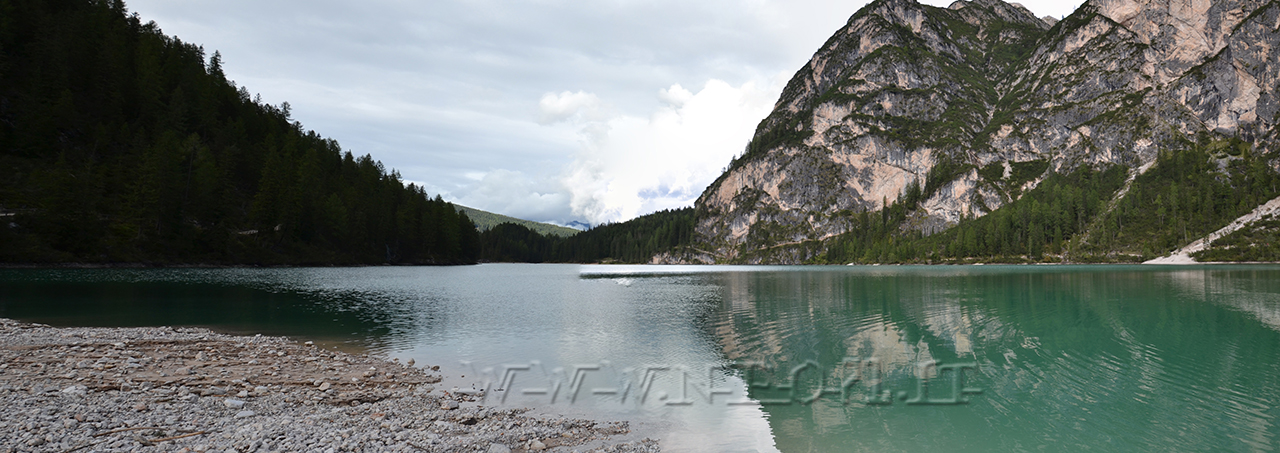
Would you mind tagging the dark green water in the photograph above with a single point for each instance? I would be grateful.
(1104, 358)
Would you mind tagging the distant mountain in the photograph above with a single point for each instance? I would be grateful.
(980, 132)
(485, 221)
(636, 241)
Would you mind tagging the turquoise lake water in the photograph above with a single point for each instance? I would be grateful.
(792, 359)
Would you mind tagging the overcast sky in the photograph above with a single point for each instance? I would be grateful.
(548, 110)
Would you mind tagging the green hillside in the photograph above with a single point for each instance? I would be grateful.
(120, 144)
(485, 221)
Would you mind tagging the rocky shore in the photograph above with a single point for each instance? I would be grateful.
(193, 390)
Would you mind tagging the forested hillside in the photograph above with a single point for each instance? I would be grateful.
(121, 144)
(486, 220)
(635, 241)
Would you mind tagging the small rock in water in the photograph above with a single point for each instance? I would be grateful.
(234, 404)
(410, 362)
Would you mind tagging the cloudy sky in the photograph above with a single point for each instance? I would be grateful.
(549, 110)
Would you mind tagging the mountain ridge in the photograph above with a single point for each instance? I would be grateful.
(975, 105)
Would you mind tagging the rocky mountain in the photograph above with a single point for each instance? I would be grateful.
(952, 113)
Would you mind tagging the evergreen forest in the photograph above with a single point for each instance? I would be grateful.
(635, 241)
(1090, 216)
(119, 144)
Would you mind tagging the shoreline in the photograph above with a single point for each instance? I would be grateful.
(61, 266)
(1160, 261)
(193, 389)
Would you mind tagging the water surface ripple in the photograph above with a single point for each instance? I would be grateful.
(1067, 358)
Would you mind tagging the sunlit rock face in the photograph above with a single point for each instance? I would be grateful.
(913, 94)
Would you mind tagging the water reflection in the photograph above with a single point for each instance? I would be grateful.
(1068, 358)
(276, 302)
(1110, 358)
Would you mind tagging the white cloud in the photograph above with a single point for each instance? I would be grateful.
(520, 195)
(639, 165)
(675, 96)
(568, 105)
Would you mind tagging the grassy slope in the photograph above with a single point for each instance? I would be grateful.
(485, 220)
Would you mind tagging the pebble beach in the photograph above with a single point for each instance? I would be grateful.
(163, 389)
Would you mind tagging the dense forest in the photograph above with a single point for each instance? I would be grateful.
(1038, 224)
(1080, 217)
(1190, 193)
(121, 144)
(634, 241)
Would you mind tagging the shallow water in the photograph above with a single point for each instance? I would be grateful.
(1109, 358)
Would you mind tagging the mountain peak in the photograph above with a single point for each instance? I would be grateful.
(1006, 11)
(1181, 33)
(950, 114)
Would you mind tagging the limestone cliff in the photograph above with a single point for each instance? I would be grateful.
(976, 103)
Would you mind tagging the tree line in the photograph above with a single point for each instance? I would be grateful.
(633, 241)
(1190, 192)
(121, 144)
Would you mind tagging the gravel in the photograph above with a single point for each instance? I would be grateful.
(158, 389)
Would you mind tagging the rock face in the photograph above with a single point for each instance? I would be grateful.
(976, 103)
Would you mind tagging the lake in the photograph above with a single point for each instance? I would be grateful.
(792, 359)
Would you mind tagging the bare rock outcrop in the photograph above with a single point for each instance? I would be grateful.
(912, 95)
